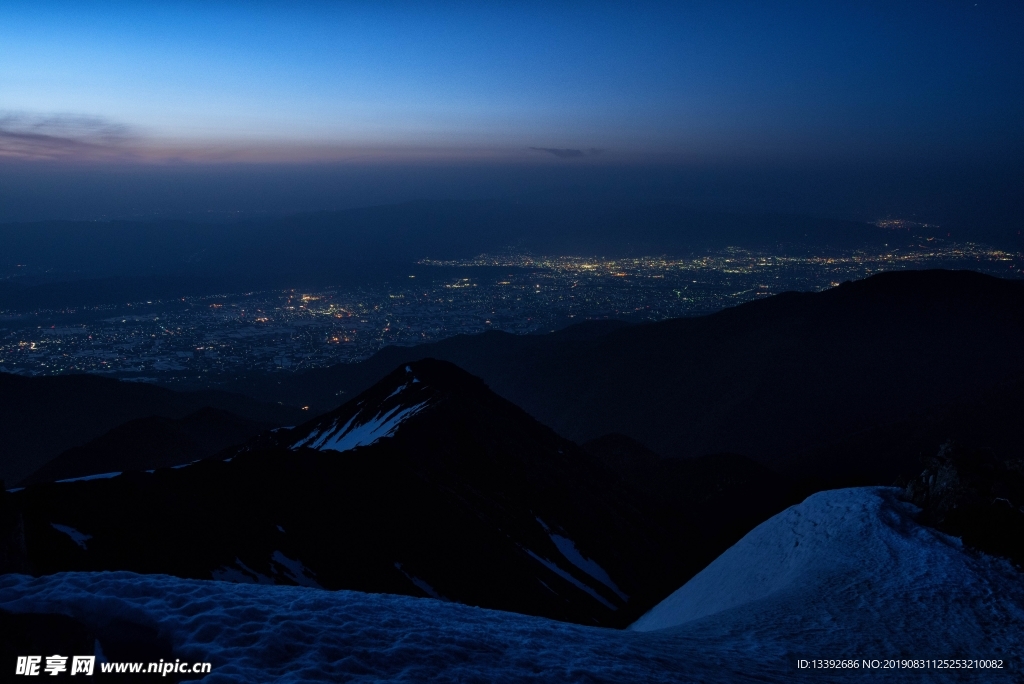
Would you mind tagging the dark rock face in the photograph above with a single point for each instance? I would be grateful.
(625, 456)
(717, 498)
(13, 555)
(970, 494)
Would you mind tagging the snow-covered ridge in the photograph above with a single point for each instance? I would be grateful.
(369, 423)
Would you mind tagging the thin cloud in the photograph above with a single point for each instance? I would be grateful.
(567, 152)
(26, 136)
(77, 138)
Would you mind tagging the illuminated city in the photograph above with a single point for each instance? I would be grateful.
(202, 338)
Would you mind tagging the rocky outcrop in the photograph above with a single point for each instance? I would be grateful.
(13, 556)
(972, 495)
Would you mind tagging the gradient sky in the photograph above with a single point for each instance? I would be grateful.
(678, 80)
(854, 109)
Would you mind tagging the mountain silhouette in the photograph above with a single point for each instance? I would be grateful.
(152, 442)
(42, 417)
(426, 484)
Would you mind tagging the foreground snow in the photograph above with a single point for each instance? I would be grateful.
(255, 633)
(855, 560)
(846, 574)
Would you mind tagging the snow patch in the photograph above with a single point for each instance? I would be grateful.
(397, 391)
(101, 476)
(242, 574)
(185, 465)
(568, 549)
(350, 436)
(76, 536)
(572, 554)
(295, 570)
(422, 585)
(572, 580)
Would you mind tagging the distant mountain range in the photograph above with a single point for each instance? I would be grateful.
(42, 417)
(410, 231)
(152, 442)
(426, 484)
(851, 385)
(79, 263)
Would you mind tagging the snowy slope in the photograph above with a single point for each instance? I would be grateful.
(846, 574)
(852, 552)
(370, 419)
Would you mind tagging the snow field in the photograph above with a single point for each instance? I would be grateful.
(845, 574)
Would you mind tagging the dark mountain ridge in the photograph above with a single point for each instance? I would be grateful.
(426, 484)
(778, 379)
(152, 442)
(41, 417)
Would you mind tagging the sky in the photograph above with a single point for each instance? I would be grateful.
(744, 87)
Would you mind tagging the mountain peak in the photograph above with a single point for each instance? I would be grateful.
(380, 411)
(445, 490)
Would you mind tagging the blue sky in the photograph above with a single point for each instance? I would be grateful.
(677, 81)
